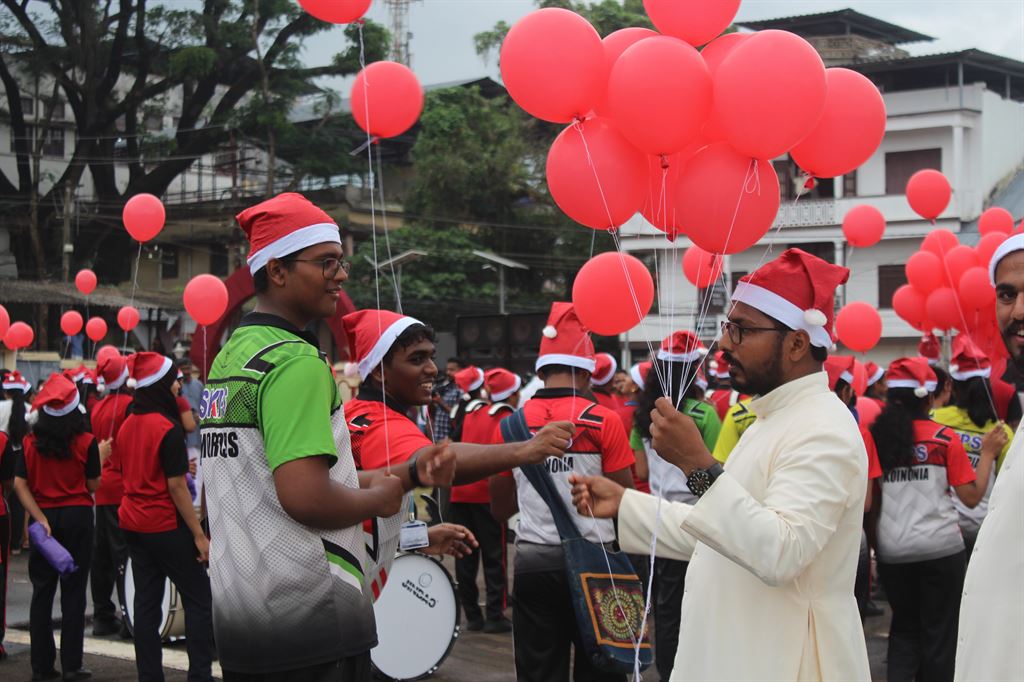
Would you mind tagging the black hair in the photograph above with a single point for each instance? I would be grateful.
(679, 375)
(819, 354)
(840, 385)
(260, 280)
(942, 379)
(158, 398)
(974, 396)
(893, 429)
(413, 334)
(458, 360)
(53, 435)
(16, 426)
(553, 370)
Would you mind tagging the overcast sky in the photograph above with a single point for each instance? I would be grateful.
(442, 43)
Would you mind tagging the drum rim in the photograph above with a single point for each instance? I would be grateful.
(171, 600)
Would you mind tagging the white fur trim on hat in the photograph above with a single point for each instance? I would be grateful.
(587, 364)
(874, 378)
(119, 381)
(692, 356)
(67, 409)
(612, 369)
(847, 377)
(479, 380)
(954, 371)
(775, 306)
(383, 345)
(502, 395)
(927, 388)
(634, 374)
(319, 233)
(155, 377)
(1011, 244)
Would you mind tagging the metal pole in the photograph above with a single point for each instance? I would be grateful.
(65, 234)
(501, 289)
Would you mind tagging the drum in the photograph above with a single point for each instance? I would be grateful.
(417, 619)
(172, 621)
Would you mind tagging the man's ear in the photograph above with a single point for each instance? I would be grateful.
(276, 272)
(799, 345)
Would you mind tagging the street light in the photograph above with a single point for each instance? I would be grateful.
(394, 264)
(500, 265)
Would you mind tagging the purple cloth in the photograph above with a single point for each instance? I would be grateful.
(191, 486)
(54, 552)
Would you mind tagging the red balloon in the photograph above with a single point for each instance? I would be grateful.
(714, 53)
(863, 225)
(943, 308)
(553, 65)
(769, 93)
(659, 92)
(695, 22)
(143, 216)
(940, 242)
(96, 328)
(860, 378)
(909, 304)
(659, 207)
(928, 193)
(387, 99)
(614, 44)
(336, 11)
(85, 280)
(987, 245)
(613, 291)
(850, 129)
(924, 272)
(5, 321)
(206, 299)
(700, 267)
(574, 182)
(104, 351)
(959, 260)
(859, 326)
(19, 335)
(726, 201)
(128, 318)
(71, 322)
(975, 289)
(995, 219)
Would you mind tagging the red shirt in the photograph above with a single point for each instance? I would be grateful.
(607, 400)
(874, 466)
(107, 418)
(4, 462)
(374, 445)
(61, 482)
(151, 449)
(479, 426)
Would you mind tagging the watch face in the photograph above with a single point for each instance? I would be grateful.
(699, 482)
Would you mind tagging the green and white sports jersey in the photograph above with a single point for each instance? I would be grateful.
(284, 595)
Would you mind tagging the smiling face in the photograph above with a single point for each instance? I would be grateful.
(1010, 305)
(409, 373)
(303, 288)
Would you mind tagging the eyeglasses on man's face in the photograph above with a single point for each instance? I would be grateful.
(330, 265)
(735, 331)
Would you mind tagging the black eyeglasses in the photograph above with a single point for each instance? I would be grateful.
(330, 265)
(736, 331)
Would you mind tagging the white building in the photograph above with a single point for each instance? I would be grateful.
(958, 112)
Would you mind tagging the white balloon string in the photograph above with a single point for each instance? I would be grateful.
(387, 237)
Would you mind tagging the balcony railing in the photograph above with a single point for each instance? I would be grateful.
(806, 213)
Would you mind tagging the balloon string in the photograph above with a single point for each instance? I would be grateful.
(387, 237)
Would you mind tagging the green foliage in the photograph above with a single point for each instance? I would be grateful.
(192, 62)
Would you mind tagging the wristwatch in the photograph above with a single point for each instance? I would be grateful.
(700, 480)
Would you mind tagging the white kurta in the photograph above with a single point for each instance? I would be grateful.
(990, 644)
(773, 547)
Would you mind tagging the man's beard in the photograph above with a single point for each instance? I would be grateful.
(764, 382)
(1008, 335)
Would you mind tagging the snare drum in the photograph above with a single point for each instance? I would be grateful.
(417, 619)
(172, 621)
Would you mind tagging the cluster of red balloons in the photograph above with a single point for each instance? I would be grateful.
(206, 299)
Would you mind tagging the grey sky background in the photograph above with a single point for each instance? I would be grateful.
(442, 44)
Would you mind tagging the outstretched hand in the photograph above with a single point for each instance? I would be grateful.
(596, 495)
(450, 538)
(436, 465)
(551, 441)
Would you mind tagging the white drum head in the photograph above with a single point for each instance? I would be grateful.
(417, 618)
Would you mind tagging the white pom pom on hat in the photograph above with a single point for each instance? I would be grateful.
(132, 382)
(815, 317)
(920, 391)
(549, 332)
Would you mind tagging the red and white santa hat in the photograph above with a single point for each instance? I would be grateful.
(719, 366)
(874, 373)
(371, 333)
(501, 383)
(58, 396)
(605, 368)
(839, 367)
(968, 360)
(145, 369)
(928, 348)
(89, 377)
(283, 225)
(910, 373)
(798, 290)
(681, 346)
(77, 374)
(1011, 244)
(701, 380)
(565, 340)
(113, 370)
(639, 373)
(13, 381)
(469, 379)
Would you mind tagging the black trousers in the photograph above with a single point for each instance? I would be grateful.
(5, 560)
(351, 669)
(110, 552)
(862, 582)
(71, 527)
(491, 536)
(669, 583)
(155, 558)
(544, 631)
(925, 601)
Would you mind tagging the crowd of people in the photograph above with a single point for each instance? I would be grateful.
(766, 480)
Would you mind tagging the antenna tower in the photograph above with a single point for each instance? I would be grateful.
(400, 34)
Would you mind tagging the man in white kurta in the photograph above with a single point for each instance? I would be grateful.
(990, 643)
(774, 541)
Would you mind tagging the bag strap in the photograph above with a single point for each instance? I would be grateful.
(514, 429)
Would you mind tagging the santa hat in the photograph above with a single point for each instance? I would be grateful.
(968, 360)
(639, 373)
(13, 381)
(371, 333)
(283, 225)
(89, 377)
(798, 290)
(76, 374)
(1010, 245)
(874, 373)
(58, 396)
(113, 370)
(719, 366)
(604, 369)
(701, 380)
(839, 367)
(566, 341)
(910, 373)
(145, 369)
(681, 346)
(469, 379)
(501, 383)
(928, 348)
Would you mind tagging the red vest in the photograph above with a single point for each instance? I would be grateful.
(107, 417)
(479, 426)
(147, 506)
(58, 482)
(3, 450)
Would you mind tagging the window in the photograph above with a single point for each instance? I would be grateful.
(792, 183)
(53, 143)
(823, 250)
(28, 106)
(890, 278)
(168, 262)
(218, 260)
(850, 184)
(899, 166)
(58, 110)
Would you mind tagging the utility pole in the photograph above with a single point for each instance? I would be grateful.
(65, 235)
(400, 33)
